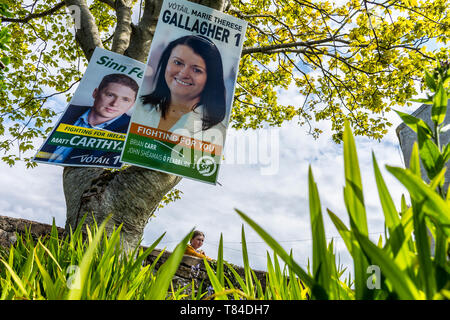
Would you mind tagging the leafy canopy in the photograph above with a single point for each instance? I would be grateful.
(351, 60)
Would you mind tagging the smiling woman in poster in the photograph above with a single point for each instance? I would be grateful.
(189, 91)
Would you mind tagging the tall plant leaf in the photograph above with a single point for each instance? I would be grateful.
(320, 261)
(433, 204)
(354, 200)
(158, 290)
(401, 283)
(432, 159)
(219, 270)
(81, 277)
(215, 282)
(392, 218)
(353, 191)
(248, 276)
(439, 108)
(414, 122)
(317, 291)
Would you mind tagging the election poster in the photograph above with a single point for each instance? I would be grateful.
(91, 132)
(184, 104)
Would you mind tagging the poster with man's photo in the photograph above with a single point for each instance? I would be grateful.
(184, 104)
(91, 132)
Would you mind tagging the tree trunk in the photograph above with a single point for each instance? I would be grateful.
(131, 195)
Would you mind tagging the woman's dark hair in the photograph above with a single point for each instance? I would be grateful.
(213, 96)
(197, 233)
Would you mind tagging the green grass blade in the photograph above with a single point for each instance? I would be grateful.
(433, 204)
(354, 201)
(147, 251)
(167, 271)
(16, 278)
(401, 283)
(413, 122)
(49, 286)
(438, 180)
(346, 235)
(439, 108)
(353, 186)
(81, 277)
(238, 278)
(316, 290)
(219, 270)
(215, 282)
(391, 215)
(426, 270)
(320, 261)
(248, 277)
(432, 160)
(414, 162)
(272, 283)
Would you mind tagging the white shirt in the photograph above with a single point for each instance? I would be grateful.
(189, 125)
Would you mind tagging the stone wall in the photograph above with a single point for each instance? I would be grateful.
(191, 268)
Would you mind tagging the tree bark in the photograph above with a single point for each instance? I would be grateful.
(130, 195)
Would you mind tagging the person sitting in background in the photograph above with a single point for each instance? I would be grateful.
(193, 249)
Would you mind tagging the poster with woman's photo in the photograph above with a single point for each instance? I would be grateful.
(184, 104)
(91, 131)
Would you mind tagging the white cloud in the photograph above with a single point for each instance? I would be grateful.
(278, 202)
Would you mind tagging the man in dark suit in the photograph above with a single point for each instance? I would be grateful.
(114, 96)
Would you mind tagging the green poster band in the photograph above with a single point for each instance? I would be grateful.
(172, 158)
(84, 142)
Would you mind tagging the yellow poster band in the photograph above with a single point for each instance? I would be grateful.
(67, 128)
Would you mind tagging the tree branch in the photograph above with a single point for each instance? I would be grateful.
(35, 15)
(142, 33)
(123, 27)
(87, 36)
(270, 49)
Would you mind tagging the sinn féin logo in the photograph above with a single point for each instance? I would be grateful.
(206, 166)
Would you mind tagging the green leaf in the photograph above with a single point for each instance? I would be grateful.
(81, 277)
(429, 153)
(414, 122)
(392, 218)
(248, 277)
(316, 290)
(215, 282)
(354, 201)
(353, 191)
(414, 161)
(320, 261)
(166, 272)
(429, 81)
(49, 286)
(144, 255)
(237, 277)
(446, 153)
(439, 109)
(346, 235)
(425, 101)
(219, 270)
(16, 278)
(400, 281)
(439, 179)
(433, 204)
(426, 270)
